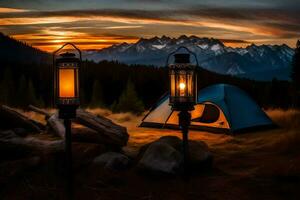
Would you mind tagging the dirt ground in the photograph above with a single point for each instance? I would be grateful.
(256, 165)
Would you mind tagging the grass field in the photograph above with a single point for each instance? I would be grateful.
(256, 165)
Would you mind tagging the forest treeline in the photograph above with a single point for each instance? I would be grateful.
(117, 86)
(107, 84)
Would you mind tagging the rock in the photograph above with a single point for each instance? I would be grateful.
(84, 153)
(112, 160)
(165, 155)
(200, 156)
(160, 158)
(173, 141)
(20, 132)
(13, 168)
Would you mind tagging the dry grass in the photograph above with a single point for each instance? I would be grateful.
(287, 119)
(288, 141)
(256, 165)
(285, 139)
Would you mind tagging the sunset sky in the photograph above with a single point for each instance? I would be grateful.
(94, 24)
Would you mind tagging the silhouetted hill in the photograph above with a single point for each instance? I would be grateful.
(14, 51)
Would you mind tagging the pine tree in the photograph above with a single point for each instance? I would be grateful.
(296, 74)
(1, 91)
(129, 101)
(7, 88)
(21, 94)
(31, 95)
(97, 96)
(40, 102)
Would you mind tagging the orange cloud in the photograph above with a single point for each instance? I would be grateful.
(50, 40)
(11, 10)
(229, 24)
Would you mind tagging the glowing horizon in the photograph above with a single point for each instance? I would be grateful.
(98, 24)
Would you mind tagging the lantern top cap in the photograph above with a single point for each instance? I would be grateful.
(67, 55)
(182, 58)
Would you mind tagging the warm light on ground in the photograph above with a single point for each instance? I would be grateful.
(286, 137)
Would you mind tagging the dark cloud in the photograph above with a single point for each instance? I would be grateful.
(239, 20)
(286, 20)
(79, 43)
(233, 41)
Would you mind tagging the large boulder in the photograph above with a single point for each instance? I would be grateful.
(165, 155)
(160, 157)
(200, 156)
(112, 160)
(13, 168)
(84, 153)
(173, 141)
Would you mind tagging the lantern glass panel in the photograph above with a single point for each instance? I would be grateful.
(190, 85)
(173, 82)
(66, 83)
(182, 84)
(68, 86)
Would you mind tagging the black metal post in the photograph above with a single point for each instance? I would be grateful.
(68, 153)
(184, 123)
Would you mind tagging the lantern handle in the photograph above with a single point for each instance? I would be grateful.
(68, 43)
(182, 47)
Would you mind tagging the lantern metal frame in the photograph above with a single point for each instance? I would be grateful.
(67, 105)
(188, 70)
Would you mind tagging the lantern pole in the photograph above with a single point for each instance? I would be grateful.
(185, 101)
(184, 123)
(68, 154)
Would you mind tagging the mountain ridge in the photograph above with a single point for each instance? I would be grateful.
(212, 55)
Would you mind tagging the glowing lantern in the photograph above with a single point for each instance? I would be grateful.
(183, 87)
(67, 67)
(66, 86)
(183, 92)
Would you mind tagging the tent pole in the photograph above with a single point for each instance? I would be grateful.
(168, 118)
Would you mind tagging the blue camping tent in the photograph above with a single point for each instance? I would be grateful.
(220, 107)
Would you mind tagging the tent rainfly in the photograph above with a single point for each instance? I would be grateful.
(221, 108)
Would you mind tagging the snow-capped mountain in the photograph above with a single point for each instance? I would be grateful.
(258, 62)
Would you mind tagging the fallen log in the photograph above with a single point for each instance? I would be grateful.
(104, 130)
(56, 125)
(40, 111)
(110, 132)
(12, 145)
(53, 122)
(11, 118)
